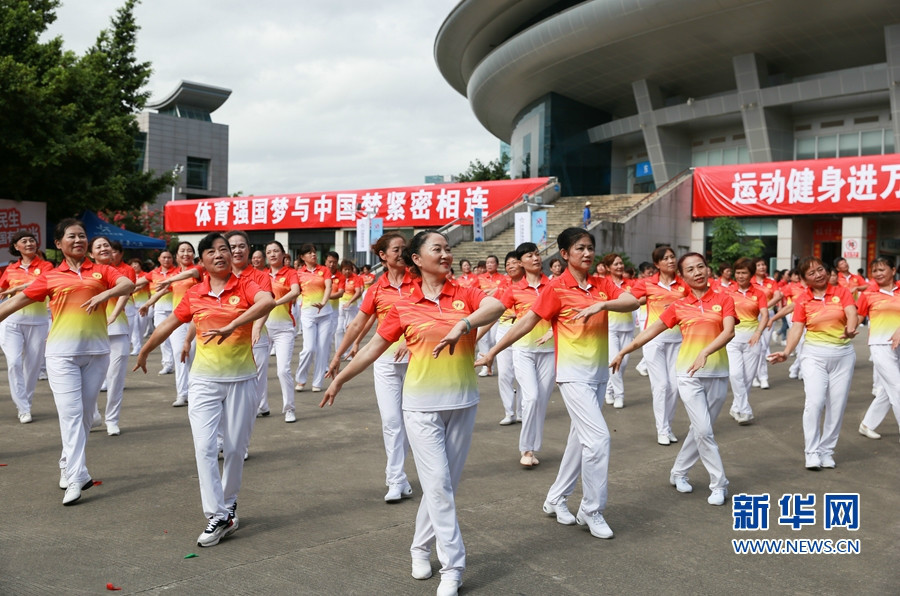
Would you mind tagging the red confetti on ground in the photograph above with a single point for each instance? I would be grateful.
(98, 483)
(110, 586)
(3, 465)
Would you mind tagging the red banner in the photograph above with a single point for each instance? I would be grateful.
(868, 184)
(411, 206)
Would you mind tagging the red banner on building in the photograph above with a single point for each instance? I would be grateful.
(410, 206)
(868, 184)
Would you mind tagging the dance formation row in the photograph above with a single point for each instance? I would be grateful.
(424, 357)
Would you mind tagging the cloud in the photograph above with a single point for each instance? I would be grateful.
(325, 95)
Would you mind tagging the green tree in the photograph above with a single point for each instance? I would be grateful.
(67, 125)
(478, 172)
(729, 242)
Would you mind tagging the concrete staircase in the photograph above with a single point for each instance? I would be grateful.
(566, 212)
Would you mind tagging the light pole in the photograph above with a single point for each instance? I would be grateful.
(176, 172)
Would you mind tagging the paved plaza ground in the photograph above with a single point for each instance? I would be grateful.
(312, 518)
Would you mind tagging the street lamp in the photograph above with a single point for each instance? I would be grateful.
(176, 172)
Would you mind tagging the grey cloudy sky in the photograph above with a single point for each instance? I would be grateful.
(326, 95)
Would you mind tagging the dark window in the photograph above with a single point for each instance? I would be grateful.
(198, 173)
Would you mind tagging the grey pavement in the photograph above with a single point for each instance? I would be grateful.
(312, 518)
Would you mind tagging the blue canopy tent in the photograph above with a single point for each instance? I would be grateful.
(94, 226)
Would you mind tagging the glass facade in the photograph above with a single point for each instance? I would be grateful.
(197, 175)
(850, 144)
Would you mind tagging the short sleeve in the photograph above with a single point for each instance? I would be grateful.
(249, 288)
(390, 328)
(38, 289)
(639, 289)
(863, 304)
(728, 309)
(547, 304)
(669, 317)
(110, 275)
(183, 311)
(761, 300)
(799, 315)
(368, 303)
(612, 290)
(845, 296)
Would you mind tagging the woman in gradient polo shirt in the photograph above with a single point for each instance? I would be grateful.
(571, 302)
(223, 385)
(707, 319)
(315, 317)
(78, 346)
(117, 328)
(659, 291)
(24, 333)
(281, 324)
(621, 330)
(440, 394)
(829, 316)
(390, 368)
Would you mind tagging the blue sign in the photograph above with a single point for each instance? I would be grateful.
(539, 228)
(642, 169)
(377, 229)
(478, 225)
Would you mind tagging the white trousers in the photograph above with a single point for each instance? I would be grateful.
(119, 347)
(316, 344)
(23, 346)
(75, 382)
(345, 317)
(617, 341)
(703, 398)
(486, 342)
(389, 377)
(743, 363)
(536, 374)
(440, 443)
(282, 338)
(167, 349)
(798, 351)
(261, 357)
(233, 405)
(587, 449)
(887, 372)
(137, 328)
(827, 373)
(762, 370)
(506, 377)
(182, 369)
(660, 358)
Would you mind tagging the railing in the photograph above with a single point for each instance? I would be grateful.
(663, 190)
(497, 222)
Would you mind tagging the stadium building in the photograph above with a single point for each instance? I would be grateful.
(793, 104)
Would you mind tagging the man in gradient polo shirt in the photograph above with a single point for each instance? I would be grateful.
(222, 379)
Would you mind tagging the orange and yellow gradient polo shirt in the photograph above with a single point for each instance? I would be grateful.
(447, 382)
(312, 288)
(520, 297)
(379, 300)
(74, 331)
(659, 297)
(120, 325)
(582, 346)
(232, 360)
(281, 317)
(883, 309)
(824, 317)
(16, 275)
(622, 321)
(350, 285)
(747, 306)
(701, 322)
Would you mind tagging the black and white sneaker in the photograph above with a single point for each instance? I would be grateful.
(233, 518)
(214, 532)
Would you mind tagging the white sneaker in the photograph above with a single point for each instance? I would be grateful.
(112, 429)
(610, 399)
(827, 461)
(25, 417)
(398, 492)
(745, 419)
(507, 420)
(179, 402)
(42, 376)
(813, 462)
(300, 387)
(166, 370)
(561, 511)
(421, 568)
(619, 403)
(448, 587)
(641, 368)
(103, 386)
(663, 439)
(792, 375)
(214, 532)
(290, 416)
(680, 483)
(868, 432)
(73, 491)
(97, 422)
(764, 383)
(63, 481)
(595, 523)
(672, 437)
(483, 372)
(755, 382)
(316, 389)
(734, 414)
(717, 496)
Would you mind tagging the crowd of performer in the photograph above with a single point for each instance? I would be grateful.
(218, 313)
